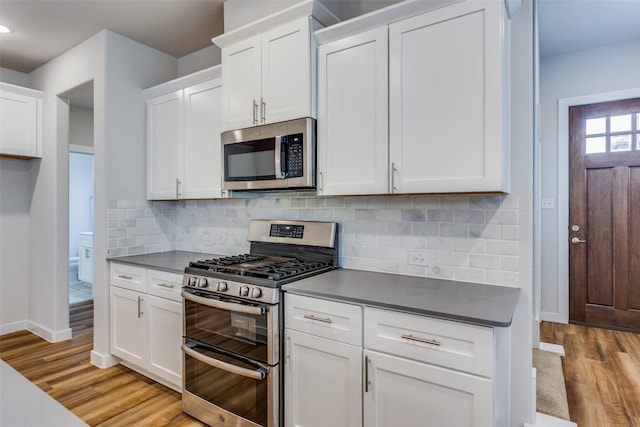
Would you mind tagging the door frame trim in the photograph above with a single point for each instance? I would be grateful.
(563, 190)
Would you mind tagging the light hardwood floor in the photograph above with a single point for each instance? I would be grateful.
(602, 374)
(115, 396)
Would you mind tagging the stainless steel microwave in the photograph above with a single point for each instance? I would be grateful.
(275, 156)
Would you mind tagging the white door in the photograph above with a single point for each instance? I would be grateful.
(286, 72)
(129, 325)
(402, 392)
(165, 338)
(446, 100)
(241, 83)
(323, 382)
(353, 141)
(203, 124)
(165, 136)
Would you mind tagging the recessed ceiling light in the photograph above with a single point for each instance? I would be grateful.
(4, 30)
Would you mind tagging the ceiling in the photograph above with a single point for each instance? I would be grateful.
(43, 29)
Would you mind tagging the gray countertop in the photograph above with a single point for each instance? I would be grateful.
(480, 304)
(172, 261)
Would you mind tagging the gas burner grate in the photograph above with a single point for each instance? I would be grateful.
(279, 271)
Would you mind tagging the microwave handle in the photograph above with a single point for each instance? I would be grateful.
(259, 374)
(229, 306)
(278, 161)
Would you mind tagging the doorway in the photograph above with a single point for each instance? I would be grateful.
(604, 204)
(81, 213)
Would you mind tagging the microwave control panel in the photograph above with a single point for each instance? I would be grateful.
(295, 155)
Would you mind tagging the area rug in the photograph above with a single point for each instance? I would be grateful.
(551, 392)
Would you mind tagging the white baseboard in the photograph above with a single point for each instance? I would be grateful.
(8, 328)
(51, 336)
(102, 361)
(544, 420)
(553, 348)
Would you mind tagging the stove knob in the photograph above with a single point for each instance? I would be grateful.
(203, 282)
(193, 281)
(222, 287)
(256, 293)
(244, 291)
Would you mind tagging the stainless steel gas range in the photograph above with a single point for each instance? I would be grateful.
(232, 321)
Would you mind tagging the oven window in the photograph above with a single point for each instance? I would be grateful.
(240, 333)
(243, 396)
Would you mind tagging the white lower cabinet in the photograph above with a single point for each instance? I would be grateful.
(323, 381)
(403, 392)
(146, 329)
(347, 365)
(323, 363)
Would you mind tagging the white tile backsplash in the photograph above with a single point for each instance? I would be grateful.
(465, 237)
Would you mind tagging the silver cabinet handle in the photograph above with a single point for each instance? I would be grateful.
(366, 374)
(178, 182)
(255, 112)
(122, 276)
(263, 110)
(422, 340)
(321, 176)
(140, 313)
(288, 350)
(166, 285)
(258, 374)
(319, 319)
(394, 170)
(577, 241)
(86, 253)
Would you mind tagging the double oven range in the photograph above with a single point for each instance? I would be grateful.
(233, 321)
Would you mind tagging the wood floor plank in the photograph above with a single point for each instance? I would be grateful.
(602, 373)
(115, 396)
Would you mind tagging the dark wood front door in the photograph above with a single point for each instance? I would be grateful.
(604, 214)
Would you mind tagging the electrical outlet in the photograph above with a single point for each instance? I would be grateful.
(418, 258)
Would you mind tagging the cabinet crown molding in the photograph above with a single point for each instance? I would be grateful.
(307, 8)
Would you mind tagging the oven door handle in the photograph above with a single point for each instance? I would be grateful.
(258, 374)
(229, 306)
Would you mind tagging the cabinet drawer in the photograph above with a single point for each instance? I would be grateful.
(128, 276)
(164, 284)
(460, 346)
(334, 320)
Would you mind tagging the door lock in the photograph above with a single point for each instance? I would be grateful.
(577, 241)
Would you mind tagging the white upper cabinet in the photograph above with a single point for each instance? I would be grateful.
(183, 141)
(267, 78)
(437, 123)
(448, 110)
(269, 67)
(353, 141)
(20, 121)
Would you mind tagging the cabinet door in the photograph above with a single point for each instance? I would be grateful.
(446, 100)
(165, 338)
(241, 84)
(402, 392)
(202, 151)
(85, 264)
(165, 139)
(353, 115)
(129, 325)
(20, 126)
(286, 72)
(323, 382)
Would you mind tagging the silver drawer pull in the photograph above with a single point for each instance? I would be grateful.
(422, 340)
(319, 319)
(166, 285)
(122, 276)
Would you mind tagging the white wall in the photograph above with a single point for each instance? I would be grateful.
(14, 231)
(80, 126)
(80, 198)
(595, 71)
(199, 60)
(14, 244)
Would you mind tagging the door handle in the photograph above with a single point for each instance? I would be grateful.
(577, 241)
